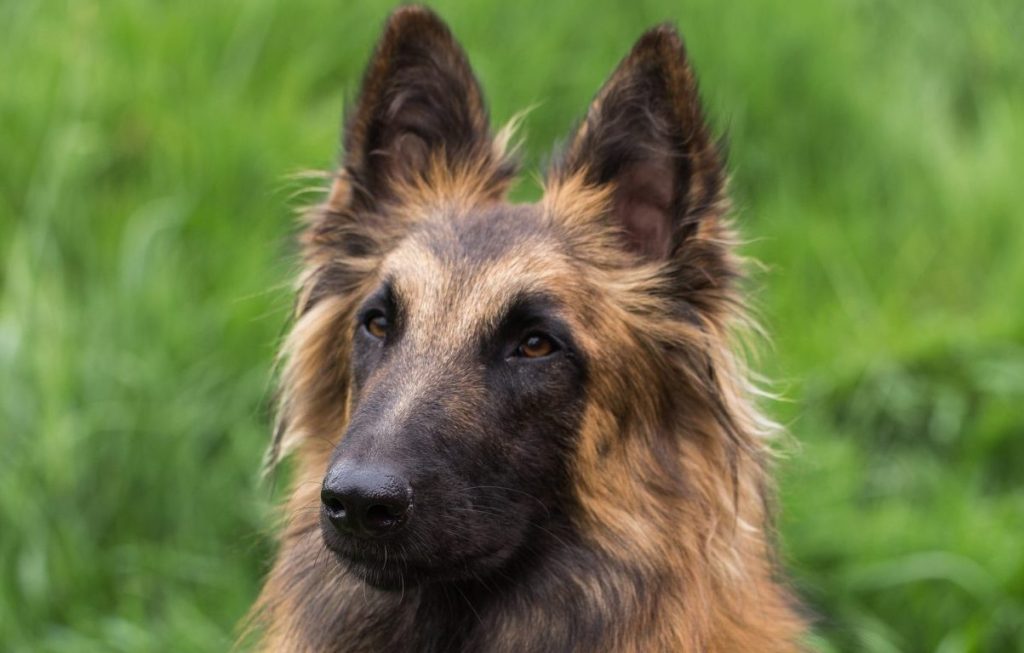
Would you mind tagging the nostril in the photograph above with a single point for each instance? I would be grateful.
(335, 508)
(380, 517)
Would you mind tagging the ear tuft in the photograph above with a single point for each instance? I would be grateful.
(645, 136)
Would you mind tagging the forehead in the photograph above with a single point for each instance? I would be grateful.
(483, 257)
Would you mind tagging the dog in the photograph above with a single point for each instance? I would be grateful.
(523, 427)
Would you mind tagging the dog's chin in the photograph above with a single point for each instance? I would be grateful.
(389, 576)
(394, 573)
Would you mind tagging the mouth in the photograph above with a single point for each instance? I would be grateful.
(386, 572)
(390, 567)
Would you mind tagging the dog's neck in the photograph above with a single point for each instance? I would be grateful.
(563, 594)
(559, 595)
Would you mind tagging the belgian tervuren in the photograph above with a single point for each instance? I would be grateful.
(522, 427)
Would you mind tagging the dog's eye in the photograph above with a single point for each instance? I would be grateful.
(536, 345)
(377, 324)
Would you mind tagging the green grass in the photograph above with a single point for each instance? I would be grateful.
(145, 198)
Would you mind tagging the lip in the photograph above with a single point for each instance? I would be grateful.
(386, 566)
(376, 556)
(385, 560)
(367, 553)
(370, 558)
(387, 572)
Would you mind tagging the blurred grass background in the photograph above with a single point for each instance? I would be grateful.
(145, 197)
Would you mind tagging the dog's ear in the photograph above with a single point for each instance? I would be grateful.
(645, 137)
(420, 111)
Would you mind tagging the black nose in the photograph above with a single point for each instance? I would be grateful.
(364, 500)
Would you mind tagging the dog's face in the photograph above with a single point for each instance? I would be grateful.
(470, 347)
(468, 382)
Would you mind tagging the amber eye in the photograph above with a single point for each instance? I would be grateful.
(377, 324)
(536, 346)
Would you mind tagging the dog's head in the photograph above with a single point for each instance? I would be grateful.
(460, 363)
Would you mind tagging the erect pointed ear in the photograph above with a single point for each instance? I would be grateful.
(645, 135)
(420, 111)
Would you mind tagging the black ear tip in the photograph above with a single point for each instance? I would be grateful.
(408, 20)
(661, 40)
